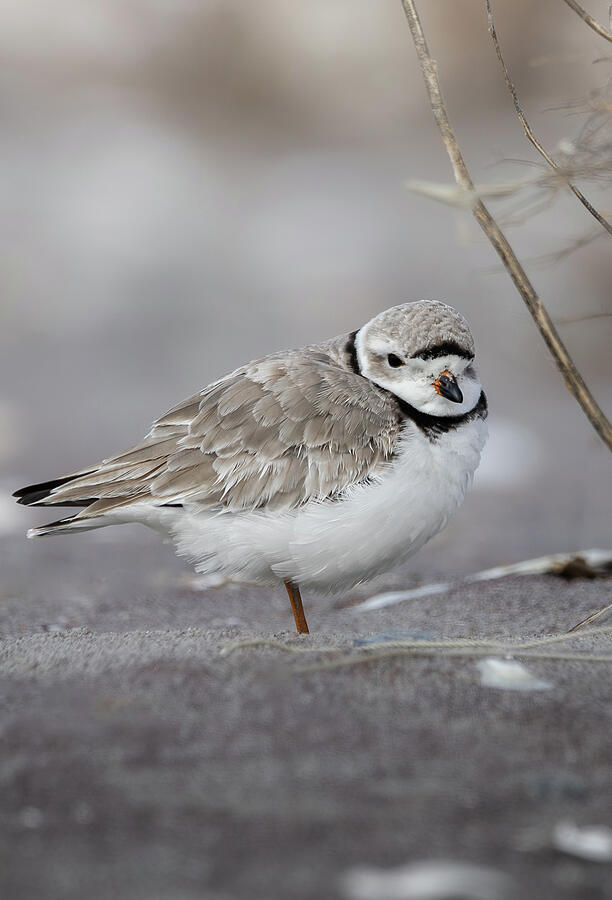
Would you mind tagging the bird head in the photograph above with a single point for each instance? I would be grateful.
(422, 352)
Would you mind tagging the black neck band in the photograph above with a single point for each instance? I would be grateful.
(436, 425)
(351, 351)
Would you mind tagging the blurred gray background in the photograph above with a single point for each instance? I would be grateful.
(188, 184)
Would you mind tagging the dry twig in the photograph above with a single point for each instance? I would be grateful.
(529, 133)
(573, 379)
(590, 21)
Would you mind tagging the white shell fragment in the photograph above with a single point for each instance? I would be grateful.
(593, 842)
(542, 565)
(431, 880)
(509, 675)
(390, 598)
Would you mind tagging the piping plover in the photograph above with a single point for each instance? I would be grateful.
(321, 467)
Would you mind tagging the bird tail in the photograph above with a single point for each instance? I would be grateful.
(60, 492)
(41, 494)
(71, 524)
(105, 492)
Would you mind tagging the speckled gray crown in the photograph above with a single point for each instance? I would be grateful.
(423, 325)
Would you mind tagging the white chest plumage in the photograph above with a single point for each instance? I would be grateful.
(334, 544)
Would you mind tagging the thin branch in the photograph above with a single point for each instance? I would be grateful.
(578, 319)
(571, 375)
(556, 256)
(590, 21)
(529, 133)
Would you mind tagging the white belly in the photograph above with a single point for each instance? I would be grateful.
(333, 545)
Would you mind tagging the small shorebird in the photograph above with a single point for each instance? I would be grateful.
(322, 466)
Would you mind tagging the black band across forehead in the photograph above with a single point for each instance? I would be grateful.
(448, 348)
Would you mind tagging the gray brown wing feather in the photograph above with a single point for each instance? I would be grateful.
(275, 434)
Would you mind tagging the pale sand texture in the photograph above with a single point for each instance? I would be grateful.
(140, 762)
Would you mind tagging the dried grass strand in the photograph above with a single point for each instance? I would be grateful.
(487, 645)
(572, 377)
(529, 132)
(453, 648)
(589, 20)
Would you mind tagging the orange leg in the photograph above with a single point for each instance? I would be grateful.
(296, 605)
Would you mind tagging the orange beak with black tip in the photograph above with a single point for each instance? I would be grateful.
(446, 385)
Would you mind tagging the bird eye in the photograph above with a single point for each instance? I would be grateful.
(394, 360)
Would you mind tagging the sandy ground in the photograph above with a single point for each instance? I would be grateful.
(141, 761)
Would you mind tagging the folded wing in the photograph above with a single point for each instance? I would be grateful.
(281, 431)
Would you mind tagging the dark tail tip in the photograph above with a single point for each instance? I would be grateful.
(34, 493)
